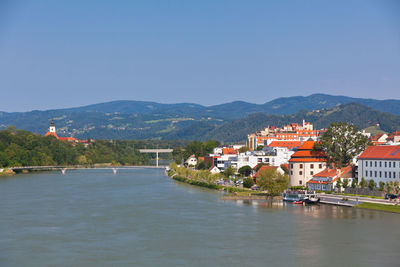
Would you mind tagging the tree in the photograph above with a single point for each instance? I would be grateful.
(259, 165)
(363, 183)
(285, 169)
(339, 184)
(229, 171)
(259, 147)
(272, 181)
(248, 182)
(396, 186)
(342, 142)
(381, 186)
(243, 149)
(201, 165)
(245, 170)
(389, 186)
(345, 183)
(371, 184)
(353, 183)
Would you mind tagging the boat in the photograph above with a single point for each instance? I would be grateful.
(298, 202)
(293, 196)
(311, 199)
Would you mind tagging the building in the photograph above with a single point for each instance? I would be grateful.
(380, 163)
(191, 161)
(379, 139)
(326, 180)
(304, 163)
(52, 130)
(290, 132)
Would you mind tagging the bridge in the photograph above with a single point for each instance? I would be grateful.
(157, 150)
(65, 168)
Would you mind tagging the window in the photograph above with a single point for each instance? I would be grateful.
(301, 166)
(300, 182)
(291, 166)
(312, 166)
(385, 164)
(394, 164)
(320, 166)
(291, 172)
(370, 173)
(394, 174)
(390, 164)
(300, 173)
(375, 173)
(311, 173)
(366, 173)
(380, 174)
(390, 174)
(385, 174)
(375, 163)
(380, 163)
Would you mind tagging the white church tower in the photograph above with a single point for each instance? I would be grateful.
(52, 128)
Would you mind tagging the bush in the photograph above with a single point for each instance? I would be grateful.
(248, 182)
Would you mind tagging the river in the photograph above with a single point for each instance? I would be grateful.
(142, 218)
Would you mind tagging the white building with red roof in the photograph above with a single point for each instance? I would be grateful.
(326, 180)
(304, 163)
(52, 130)
(380, 163)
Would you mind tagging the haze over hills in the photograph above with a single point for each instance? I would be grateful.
(225, 122)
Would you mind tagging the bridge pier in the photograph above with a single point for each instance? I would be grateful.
(155, 151)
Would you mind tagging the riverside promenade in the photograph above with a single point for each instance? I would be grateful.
(352, 201)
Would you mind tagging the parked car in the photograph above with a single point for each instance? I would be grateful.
(390, 196)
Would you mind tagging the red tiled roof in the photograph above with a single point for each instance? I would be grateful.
(288, 144)
(334, 172)
(307, 160)
(52, 134)
(68, 139)
(316, 182)
(307, 145)
(228, 150)
(381, 152)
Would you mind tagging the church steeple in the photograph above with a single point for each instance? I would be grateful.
(52, 128)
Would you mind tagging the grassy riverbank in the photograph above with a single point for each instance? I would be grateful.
(354, 195)
(381, 207)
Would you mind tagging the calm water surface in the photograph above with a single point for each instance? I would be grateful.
(142, 218)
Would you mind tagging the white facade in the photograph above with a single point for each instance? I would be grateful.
(384, 170)
(191, 161)
(301, 172)
(275, 157)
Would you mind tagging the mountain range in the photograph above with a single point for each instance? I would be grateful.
(225, 122)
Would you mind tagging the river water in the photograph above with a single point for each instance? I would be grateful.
(142, 218)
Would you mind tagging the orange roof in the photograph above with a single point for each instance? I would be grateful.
(228, 150)
(307, 145)
(52, 134)
(307, 160)
(68, 139)
(376, 137)
(316, 182)
(381, 152)
(288, 144)
(285, 165)
(265, 168)
(333, 172)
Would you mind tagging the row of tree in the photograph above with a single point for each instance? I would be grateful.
(23, 148)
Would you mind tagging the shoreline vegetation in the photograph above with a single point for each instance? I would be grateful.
(379, 207)
(203, 178)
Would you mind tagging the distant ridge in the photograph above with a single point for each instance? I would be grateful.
(226, 122)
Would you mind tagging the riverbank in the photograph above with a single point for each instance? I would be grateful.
(7, 172)
(379, 207)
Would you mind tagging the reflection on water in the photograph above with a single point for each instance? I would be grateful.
(142, 218)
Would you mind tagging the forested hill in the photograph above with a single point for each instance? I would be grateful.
(23, 148)
(237, 130)
(226, 122)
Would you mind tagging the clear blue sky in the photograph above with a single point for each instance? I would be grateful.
(56, 54)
